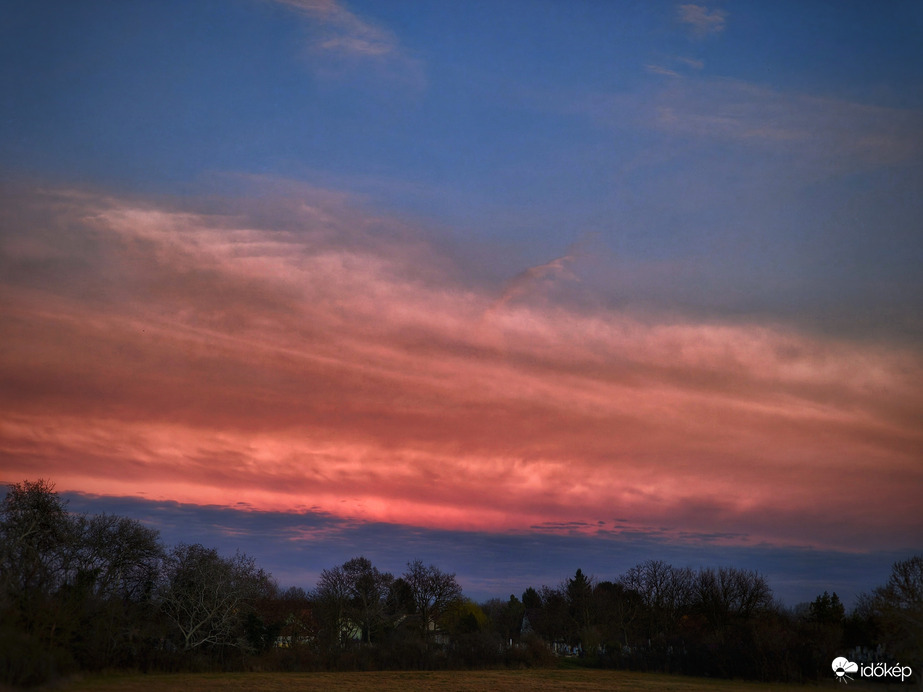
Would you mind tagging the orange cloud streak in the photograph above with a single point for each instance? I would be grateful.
(315, 356)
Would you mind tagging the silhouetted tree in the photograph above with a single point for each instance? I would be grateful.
(432, 591)
(617, 609)
(666, 592)
(208, 597)
(553, 620)
(332, 607)
(71, 586)
(899, 607)
(531, 599)
(827, 609)
(37, 547)
(368, 590)
(36, 550)
(728, 595)
(861, 627)
(728, 600)
(116, 567)
(505, 617)
(579, 589)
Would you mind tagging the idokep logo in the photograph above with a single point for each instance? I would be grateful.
(842, 666)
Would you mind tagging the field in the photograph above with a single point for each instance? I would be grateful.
(560, 680)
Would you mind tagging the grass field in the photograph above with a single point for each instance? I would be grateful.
(543, 680)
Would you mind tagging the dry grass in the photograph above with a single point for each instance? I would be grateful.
(560, 680)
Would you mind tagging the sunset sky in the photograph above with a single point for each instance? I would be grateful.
(513, 287)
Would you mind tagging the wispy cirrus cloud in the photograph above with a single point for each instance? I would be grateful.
(674, 66)
(693, 63)
(701, 21)
(345, 31)
(345, 38)
(661, 70)
(817, 135)
(822, 134)
(306, 353)
(532, 280)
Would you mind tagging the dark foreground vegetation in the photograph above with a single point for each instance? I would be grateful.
(562, 678)
(91, 593)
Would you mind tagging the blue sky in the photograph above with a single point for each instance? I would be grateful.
(642, 276)
(768, 146)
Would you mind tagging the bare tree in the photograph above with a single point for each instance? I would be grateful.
(117, 557)
(369, 591)
(432, 591)
(351, 600)
(36, 540)
(666, 592)
(110, 592)
(728, 595)
(73, 583)
(207, 596)
(332, 604)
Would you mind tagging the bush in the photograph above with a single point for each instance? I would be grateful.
(24, 662)
(531, 652)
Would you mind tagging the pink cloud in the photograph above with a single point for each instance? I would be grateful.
(315, 355)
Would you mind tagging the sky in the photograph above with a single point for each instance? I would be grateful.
(511, 287)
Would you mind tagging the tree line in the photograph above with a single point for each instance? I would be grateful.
(96, 592)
